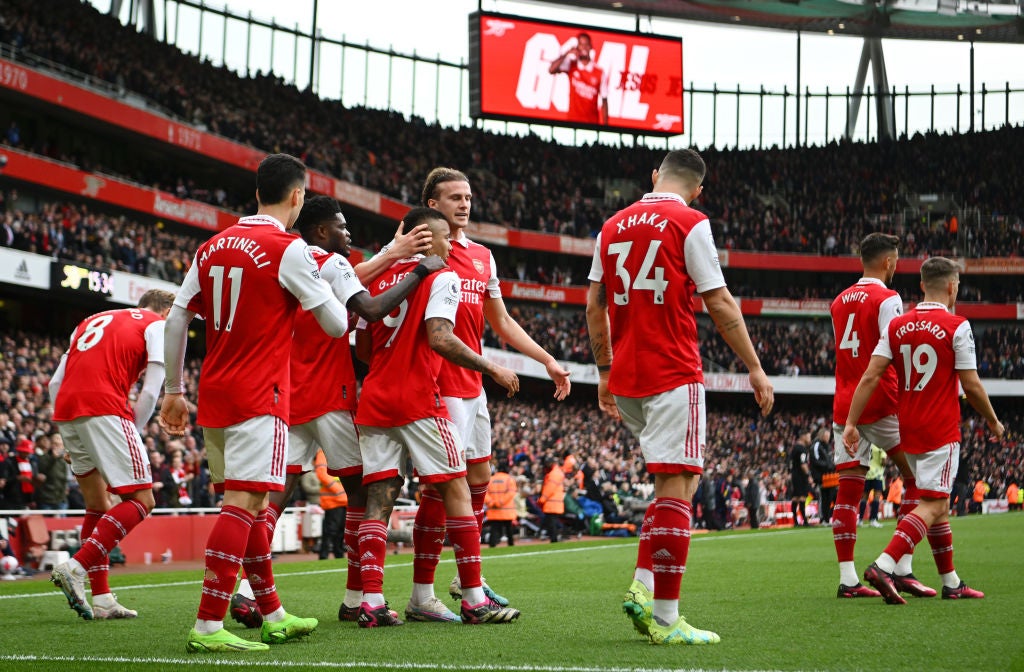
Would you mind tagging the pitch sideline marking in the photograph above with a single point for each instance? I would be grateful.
(341, 570)
(204, 661)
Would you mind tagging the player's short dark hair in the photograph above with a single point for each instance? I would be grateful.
(157, 300)
(435, 178)
(683, 164)
(418, 216)
(937, 271)
(877, 245)
(316, 210)
(277, 175)
(586, 35)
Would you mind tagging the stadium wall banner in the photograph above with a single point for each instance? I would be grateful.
(24, 269)
(639, 75)
(64, 177)
(80, 100)
(129, 288)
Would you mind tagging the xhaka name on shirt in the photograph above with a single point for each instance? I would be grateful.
(247, 245)
(642, 218)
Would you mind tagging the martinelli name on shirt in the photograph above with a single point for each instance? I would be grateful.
(246, 245)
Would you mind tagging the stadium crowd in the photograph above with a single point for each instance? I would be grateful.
(796, 200)
(525, 432)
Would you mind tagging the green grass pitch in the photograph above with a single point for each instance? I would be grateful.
(769, 594)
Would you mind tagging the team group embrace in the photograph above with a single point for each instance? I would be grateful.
(279, 299)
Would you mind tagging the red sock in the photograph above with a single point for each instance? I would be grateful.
(373, 549)
(909, 533)
(271, 513)
(428, 536)
(940, 537)
(911, 498)
(478, 493)
(670, 544)
(355, 516)
(643, 553)
(98, 574)
(845, 515)
(110, 529)
(465, 537)
(258, 567)
(224, 550)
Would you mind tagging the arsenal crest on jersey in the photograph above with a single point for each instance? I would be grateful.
(479, 266)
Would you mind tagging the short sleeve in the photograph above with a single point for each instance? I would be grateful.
(340, 275)
(445, 290)
(596, 267)
(155, 341)
(702, 263)
(888, 309)
(189, 295)
(963, 348)
(883, 348)
(300, 275)
(493, 286)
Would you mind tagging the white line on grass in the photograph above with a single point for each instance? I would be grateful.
(489, 558)
(204, 661)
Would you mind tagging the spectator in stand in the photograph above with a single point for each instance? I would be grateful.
(52, 475)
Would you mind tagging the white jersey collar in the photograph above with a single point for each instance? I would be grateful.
(662, 196)
(931, 305)
(264, 220)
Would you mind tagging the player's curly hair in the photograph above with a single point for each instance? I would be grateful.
(315, 210)
(435, 178)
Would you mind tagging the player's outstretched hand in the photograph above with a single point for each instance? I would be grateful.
(432, 263)
(764, 393)
(507, 378)
(851, 438)
(174, 414)
(416, 241)
(997, 429)
(561, 378)
(605, 400)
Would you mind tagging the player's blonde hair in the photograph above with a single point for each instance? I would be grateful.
(435, 178)
(157, 300)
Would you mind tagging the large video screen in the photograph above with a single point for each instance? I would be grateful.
(555, 73)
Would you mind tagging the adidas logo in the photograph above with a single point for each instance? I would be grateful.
(439, 541)
(456, 548)
(21, 273)
(366, 556)
(663, 554)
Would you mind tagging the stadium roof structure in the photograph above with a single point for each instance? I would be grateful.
(956, 20)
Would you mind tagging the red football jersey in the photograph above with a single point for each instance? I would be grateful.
(586, 87)
(401, 386)
(323, 379)
(860, 315)
(927, 347)
(247, 282)
(651, 257)
(108, 353)
(474, 264)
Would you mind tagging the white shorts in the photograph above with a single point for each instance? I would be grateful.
(110, 445)
(935, 470)
(336, 433)
(884, 433)
(671, 428)
(248, 456)
(432, 444)
(473, 423)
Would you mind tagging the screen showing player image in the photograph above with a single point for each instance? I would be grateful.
(554, 73)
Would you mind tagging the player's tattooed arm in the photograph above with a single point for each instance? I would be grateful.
(444, 342)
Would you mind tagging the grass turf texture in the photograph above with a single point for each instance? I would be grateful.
(769, 594)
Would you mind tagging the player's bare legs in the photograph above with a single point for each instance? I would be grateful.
(103, 528)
